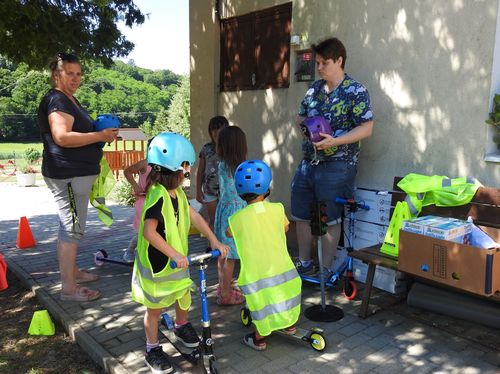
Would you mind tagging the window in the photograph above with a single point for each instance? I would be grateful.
(255, 49)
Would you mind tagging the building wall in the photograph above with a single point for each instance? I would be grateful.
(426, 65)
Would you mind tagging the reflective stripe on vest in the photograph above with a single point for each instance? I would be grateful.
(146, 273)
(269, 282)
(271, 309)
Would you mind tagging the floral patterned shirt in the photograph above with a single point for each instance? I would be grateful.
(345, 107)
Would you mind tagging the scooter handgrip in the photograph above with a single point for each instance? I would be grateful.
(197, 258)
(360, 205)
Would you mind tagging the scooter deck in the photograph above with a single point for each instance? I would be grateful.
(192, 355)
(299, 333)
(316, 280)
(101, 257)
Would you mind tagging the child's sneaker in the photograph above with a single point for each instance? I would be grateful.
(187, 335)
(252, 342)
(158, 361)
(304, 270)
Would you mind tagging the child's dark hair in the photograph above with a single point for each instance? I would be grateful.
(217, 123)
(249, 196)
(168, 178)
(232, 147)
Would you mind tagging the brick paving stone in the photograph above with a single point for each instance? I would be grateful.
(397, 338)
(124, 347)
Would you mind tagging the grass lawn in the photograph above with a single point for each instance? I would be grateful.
(16, 150)
(19, 148)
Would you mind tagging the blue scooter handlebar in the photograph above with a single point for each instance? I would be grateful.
(214, 253)
(352, 202)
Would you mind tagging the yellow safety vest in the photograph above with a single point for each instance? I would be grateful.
(268, 278)
(101, 188)
(162, 289)
(422, 190)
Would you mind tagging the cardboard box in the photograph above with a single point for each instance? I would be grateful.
(457, 265)
(379, 203)
(445, 228)
(385, 279)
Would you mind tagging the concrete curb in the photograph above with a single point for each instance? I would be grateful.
(77, 334)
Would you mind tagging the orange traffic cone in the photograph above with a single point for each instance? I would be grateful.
(25, 238)
(3, 274)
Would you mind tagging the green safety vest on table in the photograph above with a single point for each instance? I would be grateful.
(268, 278)
(162, 289)
(423, 190)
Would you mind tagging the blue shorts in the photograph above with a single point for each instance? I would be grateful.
(323, 182)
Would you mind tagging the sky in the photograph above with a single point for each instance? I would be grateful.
(162, 41)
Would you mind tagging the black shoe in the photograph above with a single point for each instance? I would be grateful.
(304, 270)
(158, 362)
(187, 335)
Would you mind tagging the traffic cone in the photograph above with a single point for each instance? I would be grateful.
(41, 324)
(3, 274)
(25, 238)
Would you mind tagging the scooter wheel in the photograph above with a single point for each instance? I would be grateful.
(246, 318)
(98, 256)
(350, 289)
(318, 342)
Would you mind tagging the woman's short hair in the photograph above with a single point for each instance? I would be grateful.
(330, 48)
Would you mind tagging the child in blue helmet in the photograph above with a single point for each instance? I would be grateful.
(163, 236)
(268, 277)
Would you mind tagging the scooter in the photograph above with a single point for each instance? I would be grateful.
(101, 257)
(314, 336)
(205, 350)
(345, 269)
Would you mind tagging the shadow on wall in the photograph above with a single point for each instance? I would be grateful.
(428, 73)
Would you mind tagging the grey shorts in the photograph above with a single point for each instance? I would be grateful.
(72, 217)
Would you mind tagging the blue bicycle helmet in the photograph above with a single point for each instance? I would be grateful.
(170, 150)
(106, 121)
(252, 177)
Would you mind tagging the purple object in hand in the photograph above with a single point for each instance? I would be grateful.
(312, 126)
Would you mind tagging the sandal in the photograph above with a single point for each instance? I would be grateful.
(291, 330)
(82, 294)
(234, 286)
(87, 278)
(234, 298)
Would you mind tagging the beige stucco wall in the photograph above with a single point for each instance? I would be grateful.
(426, 65)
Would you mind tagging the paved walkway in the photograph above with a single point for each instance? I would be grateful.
(396, 339)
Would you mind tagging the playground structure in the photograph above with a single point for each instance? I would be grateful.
(130, 152)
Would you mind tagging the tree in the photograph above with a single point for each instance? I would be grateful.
(33, 30)
(179, 114)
